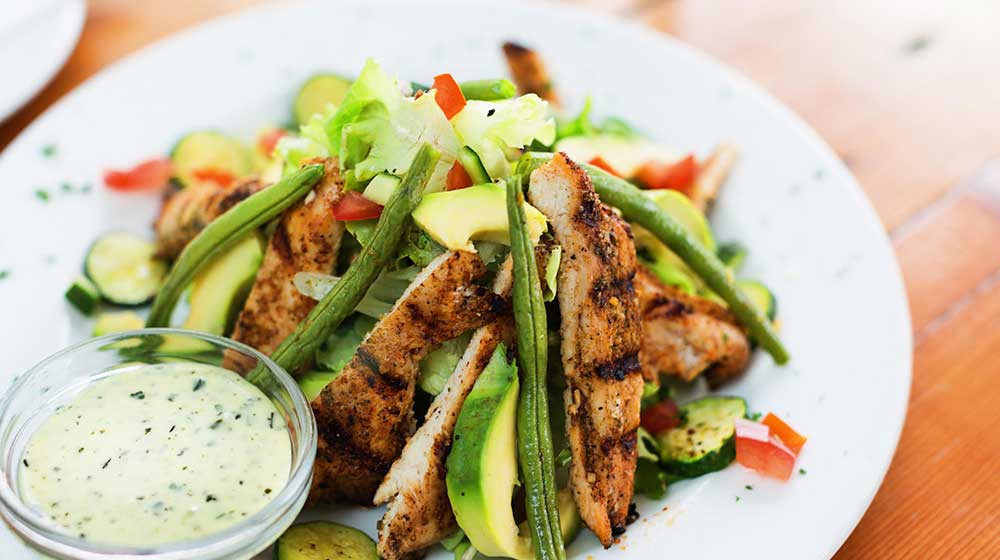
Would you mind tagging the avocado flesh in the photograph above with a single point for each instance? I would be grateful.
(482, 465)
(218, 291)
(455, 219)
(625, 154)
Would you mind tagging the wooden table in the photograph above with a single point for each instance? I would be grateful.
(909, 96)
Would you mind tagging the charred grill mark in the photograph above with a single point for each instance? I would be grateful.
(369, 361)
(615, 291)
(619, 369)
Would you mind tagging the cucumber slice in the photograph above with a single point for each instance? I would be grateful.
(381, 188)
(760, 296)
(473, 166)
(119, 321)
(316, 93)
(732, 254)
(322, 540)
(706, 442)
(123, 268)
(83, 295)
(208, 149)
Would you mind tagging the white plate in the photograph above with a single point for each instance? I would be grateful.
(36, 38)
(813, 237)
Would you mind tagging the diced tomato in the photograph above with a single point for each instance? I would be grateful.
(269, 139)
(217, 176)
(792, 439)
(458, 178)
(352, 206)
(449, 96)
(678, 176)
(598, 161)
(661, 416)
(757, 449)
(153, 173)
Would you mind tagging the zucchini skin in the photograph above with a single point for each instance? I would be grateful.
(713, 461)
(105, 292)
(703, 418)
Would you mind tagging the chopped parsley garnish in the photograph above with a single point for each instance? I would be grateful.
(215, 425)
(198, 384)
(42, 194)
(106, 463)
(748, 487)
(138, 395)
(755, 416)
(211, 498)
(4, 273)
(802, 471)
(49, 150)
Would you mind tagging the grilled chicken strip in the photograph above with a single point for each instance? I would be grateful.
(419, 513)
(685, 335)
(600, 342)
(365, 414)
(307, 239)
(186, 212)
(529, 72)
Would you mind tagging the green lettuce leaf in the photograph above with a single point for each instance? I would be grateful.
(495, 129)
(378, 129)
(310, 142)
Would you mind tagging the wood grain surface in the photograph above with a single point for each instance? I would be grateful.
(908, 94)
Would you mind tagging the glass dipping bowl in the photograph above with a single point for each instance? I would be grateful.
(33, 396)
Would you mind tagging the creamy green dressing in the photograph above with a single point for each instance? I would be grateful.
(158, 453)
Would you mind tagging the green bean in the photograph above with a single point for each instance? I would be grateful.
(224, 232)
(300, 346)
(534, 431)
(636, 207)
(488, 90)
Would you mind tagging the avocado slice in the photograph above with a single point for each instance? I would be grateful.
(455, 219)
(218, 291)
(482, 467)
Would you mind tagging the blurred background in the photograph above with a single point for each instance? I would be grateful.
(906, 93)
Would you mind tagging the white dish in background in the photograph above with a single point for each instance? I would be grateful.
(813, 236)
(36, 38)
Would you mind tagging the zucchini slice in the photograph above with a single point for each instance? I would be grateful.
(473, 166)
(123, 268)
(319, 91)
(760, 296)
(116, 322)
(209, 150)
(320, 540)
(706, 441)
(83, 295)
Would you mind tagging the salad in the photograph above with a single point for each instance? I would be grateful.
(492, 305)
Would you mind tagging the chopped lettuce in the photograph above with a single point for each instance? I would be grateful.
(495, 129)
(339, 347)
(379, 299)
(582, 125)
(436, 368)
(310, 142)
(378, 129)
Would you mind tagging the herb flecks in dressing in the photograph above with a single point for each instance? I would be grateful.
(157, 454)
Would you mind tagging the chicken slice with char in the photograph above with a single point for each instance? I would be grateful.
(186, 212)
(600, 342)
(684, 335)
(365, 415)
(419, 512)
(306, 239)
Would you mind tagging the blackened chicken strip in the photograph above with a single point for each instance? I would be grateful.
(186, 212)
(600, 331)
(529, 72)
(306, 239)
(418, 512)
(365, 415)
(685, 335)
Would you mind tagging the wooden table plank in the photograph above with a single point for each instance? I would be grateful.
(907, 95)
